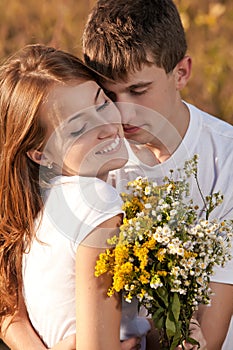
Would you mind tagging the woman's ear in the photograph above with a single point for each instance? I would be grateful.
(37, 157)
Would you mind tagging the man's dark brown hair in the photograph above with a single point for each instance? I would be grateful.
(122, 35)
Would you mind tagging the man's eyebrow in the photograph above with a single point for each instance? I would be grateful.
(140, 84)
(83, 113)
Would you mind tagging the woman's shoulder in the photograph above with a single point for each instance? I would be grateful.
(83, 194)
(82, 187)
(76, 205)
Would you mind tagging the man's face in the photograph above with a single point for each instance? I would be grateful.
(149, 102)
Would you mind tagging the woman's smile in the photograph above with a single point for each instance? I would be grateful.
(111, 147)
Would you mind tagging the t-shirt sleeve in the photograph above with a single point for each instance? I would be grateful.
(79, 205)
(224, 274)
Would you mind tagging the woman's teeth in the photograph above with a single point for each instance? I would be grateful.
(110, 147)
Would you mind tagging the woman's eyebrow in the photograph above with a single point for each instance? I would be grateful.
(78, 115)
(97, 94)
(75, 117)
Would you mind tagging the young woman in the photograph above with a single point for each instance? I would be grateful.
(59, 137)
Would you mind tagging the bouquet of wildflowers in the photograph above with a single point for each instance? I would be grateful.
(165, 253)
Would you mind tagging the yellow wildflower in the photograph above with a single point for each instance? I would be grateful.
(144, 278)
(161, 254)
(162, 273)
(121, 254)
(142, 254)
(150, 244)
(141, 295)
(188, 255)
(103, 264)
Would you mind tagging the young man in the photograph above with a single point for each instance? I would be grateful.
(140, 46)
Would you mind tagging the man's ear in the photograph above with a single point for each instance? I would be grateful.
(182, 72)
(37, 157)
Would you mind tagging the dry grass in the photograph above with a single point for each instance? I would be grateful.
(208, 25)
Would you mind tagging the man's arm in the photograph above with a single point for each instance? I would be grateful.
(18, 333)
(215, 319)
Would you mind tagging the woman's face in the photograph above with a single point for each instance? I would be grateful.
(83, 131)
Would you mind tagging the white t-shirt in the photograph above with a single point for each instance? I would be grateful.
(212, 140)
(74, 206)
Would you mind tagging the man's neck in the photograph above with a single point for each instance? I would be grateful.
(145, 154)
(167, 142)
(172, 135)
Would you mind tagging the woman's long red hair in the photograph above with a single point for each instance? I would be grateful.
(25, 80)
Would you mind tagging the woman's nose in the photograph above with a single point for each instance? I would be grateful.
(109, 130)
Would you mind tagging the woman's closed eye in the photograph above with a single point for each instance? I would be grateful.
(78, 132)
(99, 108)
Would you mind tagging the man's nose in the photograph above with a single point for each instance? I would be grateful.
(127, 111)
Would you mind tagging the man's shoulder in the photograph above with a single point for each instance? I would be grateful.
(212, 124)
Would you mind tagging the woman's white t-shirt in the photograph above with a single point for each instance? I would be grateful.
(74, 206)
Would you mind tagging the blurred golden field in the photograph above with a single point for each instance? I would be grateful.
(208, 24)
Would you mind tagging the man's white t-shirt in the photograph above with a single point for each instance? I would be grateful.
(212, 140)
(74, 206)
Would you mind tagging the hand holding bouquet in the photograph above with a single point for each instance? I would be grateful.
(165, 254)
